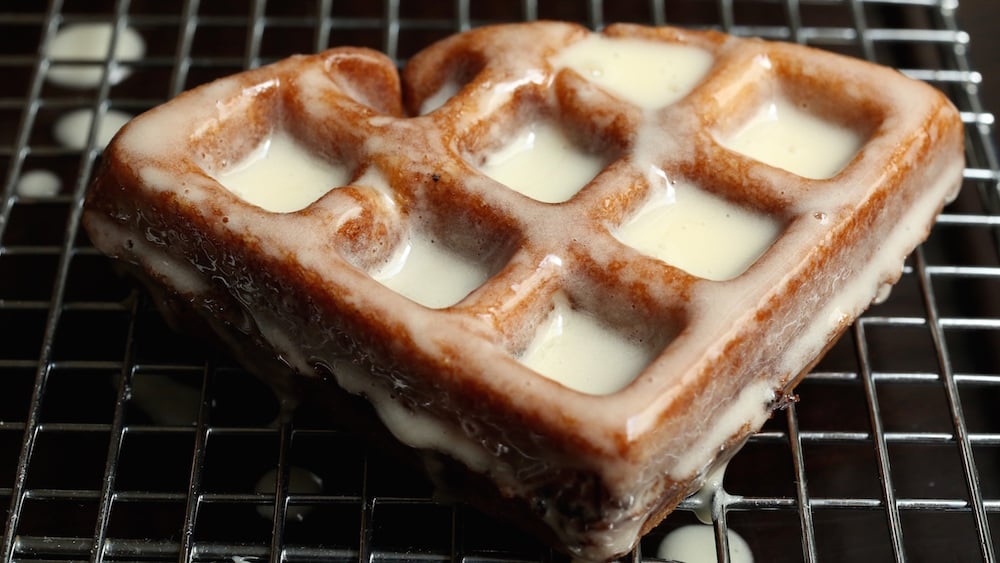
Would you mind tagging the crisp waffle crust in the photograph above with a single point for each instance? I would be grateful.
(674, 357)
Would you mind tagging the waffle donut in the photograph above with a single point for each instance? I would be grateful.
(582, 267)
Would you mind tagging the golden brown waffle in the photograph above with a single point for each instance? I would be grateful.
(702, 345)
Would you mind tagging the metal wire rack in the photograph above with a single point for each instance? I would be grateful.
(123, 440)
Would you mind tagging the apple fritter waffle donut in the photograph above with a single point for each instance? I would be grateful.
(584, 265)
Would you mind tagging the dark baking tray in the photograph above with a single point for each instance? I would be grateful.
(123, 440)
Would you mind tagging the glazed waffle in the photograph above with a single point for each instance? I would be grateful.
(584, 266)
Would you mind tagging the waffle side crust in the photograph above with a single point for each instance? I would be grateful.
(295, 295)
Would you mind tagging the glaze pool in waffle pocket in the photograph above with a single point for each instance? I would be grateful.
(580, 267)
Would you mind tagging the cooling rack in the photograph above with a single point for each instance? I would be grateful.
(123, 440)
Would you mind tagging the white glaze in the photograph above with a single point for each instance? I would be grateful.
(858, 288)
(281, 175)
(73, 128)
(542, 163)
(696, 544)
(578, 351)
(413, 428)
(38, 183)
(148, 251)
(301, 481)
(437, 99)
(749, 409)
(704, 498)
(166, 401)
(646, 73)
(90, 43)
(699, 232)
(495, 95)
(788, 137)
(426, 271)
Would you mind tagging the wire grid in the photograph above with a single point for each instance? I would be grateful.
(123, 440)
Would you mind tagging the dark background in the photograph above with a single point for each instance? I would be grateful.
(980, 19)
